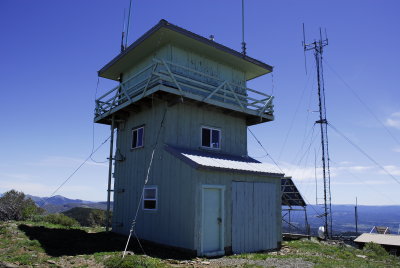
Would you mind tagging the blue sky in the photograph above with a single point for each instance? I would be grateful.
(50, 52)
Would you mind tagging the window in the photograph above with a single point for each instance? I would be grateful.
(137, 137)
(210, 138)
(150, 198)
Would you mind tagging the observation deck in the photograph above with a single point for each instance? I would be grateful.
(171, 62)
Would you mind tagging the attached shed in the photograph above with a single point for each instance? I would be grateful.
(181, 112)
(247, 219)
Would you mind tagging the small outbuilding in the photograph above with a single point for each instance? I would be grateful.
(391, 242)
(182, 173)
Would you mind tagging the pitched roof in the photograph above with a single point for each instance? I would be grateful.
(165, 32)
(382, 239)
(222, 162)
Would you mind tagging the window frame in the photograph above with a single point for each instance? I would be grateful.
(137, 137)
(211, 131)
(150, 199)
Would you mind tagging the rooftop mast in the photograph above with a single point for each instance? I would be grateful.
(243, 42)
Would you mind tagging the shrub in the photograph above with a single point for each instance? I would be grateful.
(87, 216)
(375, 250)
(37, 218)
(61, 219)
(16, 206)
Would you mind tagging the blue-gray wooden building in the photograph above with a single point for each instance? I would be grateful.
(184, 97)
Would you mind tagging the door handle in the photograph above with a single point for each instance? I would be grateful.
(219, 220)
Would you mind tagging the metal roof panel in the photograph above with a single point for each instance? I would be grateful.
(382, 239)
(219, 161)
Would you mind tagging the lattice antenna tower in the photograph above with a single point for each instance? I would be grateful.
(318, 47)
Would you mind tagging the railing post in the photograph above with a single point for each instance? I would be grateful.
(173, 78)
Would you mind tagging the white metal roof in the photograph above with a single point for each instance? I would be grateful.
(228, 164)
(382, 239)
(217, 161)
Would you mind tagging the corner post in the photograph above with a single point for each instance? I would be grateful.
(110, 159)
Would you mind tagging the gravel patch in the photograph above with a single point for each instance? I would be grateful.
(236, 262)
(270, 262)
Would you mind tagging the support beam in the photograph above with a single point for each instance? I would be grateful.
(110, 173)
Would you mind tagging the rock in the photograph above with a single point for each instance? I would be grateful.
(205, 262)
(361, 256)
(7, 265)
(130, 253)
(51, 262)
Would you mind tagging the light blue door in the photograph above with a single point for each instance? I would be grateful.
(212, 243)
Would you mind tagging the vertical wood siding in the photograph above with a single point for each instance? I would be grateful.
(206, 65)
(185, 122)
(228, 179)
(177, 219)
(253, 217)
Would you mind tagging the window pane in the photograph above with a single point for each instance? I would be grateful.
(140, 137)
(215, 138)
(149, 204)
(134, 139)
(149, 193)
(205, 137)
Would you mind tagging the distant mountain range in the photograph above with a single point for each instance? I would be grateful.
(343, 218)
(56, 200)
(58, 203)
(343, 215)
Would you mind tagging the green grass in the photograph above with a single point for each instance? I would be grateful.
(46, 224)
(323, 255)
(133, 261)
(17, 248)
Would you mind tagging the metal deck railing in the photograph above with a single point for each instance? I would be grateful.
(186, 82)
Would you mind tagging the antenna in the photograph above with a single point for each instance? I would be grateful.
(317, 47)
(356, 216)
(304, 45)
(127, 26)
(123, 33)
(243, 42)
(326, 37)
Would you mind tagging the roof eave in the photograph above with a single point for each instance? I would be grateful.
(163, 23)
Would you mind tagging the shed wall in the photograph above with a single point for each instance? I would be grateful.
(226, 179)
